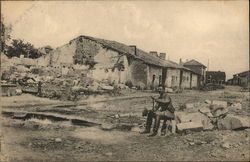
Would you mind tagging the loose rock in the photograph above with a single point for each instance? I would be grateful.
(58, 140)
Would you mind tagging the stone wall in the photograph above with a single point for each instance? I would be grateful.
(173, 78)
(194, 81)
(154, 78)
(186, 79)
(64, 54)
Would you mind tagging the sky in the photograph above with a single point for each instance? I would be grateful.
(215, 33)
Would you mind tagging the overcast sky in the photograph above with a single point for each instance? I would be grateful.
(203, 30)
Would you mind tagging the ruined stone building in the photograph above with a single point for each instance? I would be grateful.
(215, 77)
(120, 63)
(198, 68)
(241, 79)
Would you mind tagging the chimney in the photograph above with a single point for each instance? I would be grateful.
(133, 47)
(163, 56)
(180, 62)
(153, 53)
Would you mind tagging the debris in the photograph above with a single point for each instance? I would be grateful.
(225, 145)
(135, 129)
(190, 105)
(207, 124)
(105, 126)
(109, 153)
(208, 102)
(231, 122)
(219, 111)
(211, 87)
(58, 140)
(219, 103)
(18, 92)
(183, 117)
(106, 87)
(169, 90)
(191, 143)
(236, 106)
(204, 110)
(121, 86)
(190, 126)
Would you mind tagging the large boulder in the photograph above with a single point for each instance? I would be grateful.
(231, 122)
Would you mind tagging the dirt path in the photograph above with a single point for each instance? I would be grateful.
(45, 140)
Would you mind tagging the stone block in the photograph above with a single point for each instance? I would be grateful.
(219, 103)
(193, 126)
(190, 105)
(231, 122)
(204, 110)
(236, 106)
(220, 111)
(208, 101)
(183, 117)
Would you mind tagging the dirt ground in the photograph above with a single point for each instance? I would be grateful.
(115, 138)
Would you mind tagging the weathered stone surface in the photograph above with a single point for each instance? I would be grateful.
(183, 117)
(18, 91)
(204, 110)
(135, 129)
(107, 126)
(207, 124)
(225, 145)
(236, 106)
(197, 126)
(169, 90)
(219, 103)
(208, 101)
(233, 122)
(58, 140)
(220, 111)
(173, 123)
(190, 105)
(19, 114)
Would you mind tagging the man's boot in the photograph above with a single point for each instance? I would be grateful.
(156, 126)
(148, 123)
(147, 127)
(152, 134)
(163, 128)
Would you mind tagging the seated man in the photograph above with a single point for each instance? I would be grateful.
(163, 110)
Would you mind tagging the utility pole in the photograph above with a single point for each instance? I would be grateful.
(208, 65)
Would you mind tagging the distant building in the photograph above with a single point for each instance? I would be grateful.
(216, 77)
(241, 79)
(198, 68)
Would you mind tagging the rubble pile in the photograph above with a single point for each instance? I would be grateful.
(211, 87)
(210, 115)
(54, 85)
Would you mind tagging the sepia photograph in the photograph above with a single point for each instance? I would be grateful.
(106, 80)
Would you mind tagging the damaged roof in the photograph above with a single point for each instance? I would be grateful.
(127, 50)
(140, 54)
(194, 62)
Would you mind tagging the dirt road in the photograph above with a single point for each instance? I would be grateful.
(46, 140)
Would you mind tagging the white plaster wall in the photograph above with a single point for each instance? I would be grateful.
(194, 80)
(173, 78)
(186, 79)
